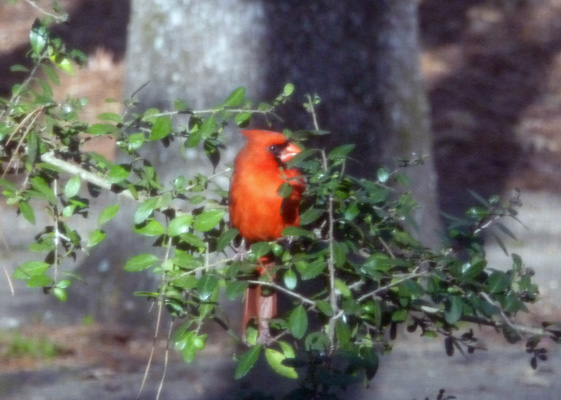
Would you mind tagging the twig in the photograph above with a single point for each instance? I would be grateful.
(284, 290)
(56, 230)
(32, 115)
(57, 18)
(505, 318)
(166, 361)
(412, 275)
(75, 170)
(9, 279)
(530, 330)
(158, 323)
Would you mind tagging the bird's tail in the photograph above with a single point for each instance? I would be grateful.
(260, 305)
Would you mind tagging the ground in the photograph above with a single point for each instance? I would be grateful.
(493, 75)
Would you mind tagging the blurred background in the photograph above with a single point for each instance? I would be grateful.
(485, 79)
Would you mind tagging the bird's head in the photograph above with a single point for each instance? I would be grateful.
(274, 143)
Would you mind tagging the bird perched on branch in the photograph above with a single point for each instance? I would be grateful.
(260, 213)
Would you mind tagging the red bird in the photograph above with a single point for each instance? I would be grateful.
(259, 213)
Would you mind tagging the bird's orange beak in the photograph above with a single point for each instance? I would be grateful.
(289, 152)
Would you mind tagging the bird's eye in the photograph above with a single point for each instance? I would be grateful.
(275, 149)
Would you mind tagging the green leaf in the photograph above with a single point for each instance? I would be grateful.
(288, 89)
(247, 361)
(343, 334)
(117, 173)
(206, 286)
(260, 249)
(310, 215)
(60, 293)
(339, 253)
(72, 187)
(107, 214)
(242, 119)
(111, 117)
(341, 151)
(208, 126)
(370, 360)
(145, 210)
(290, 279)
(235, 288)
(399, 315)
(275, 359)
(39, 281)
(225, 239)
(141, 262)
(102, 129)
(194, 138)
(180, 105)
(8, 185)
(151, 228)
(193, 240)
(27, 212)
(96, 237)
(38, 38)
(497, 282)
(324, 307)
(18, 68)
(311, 270)
(298, 322)
(453, 310)
(343, 288)
(208, 220)
(161, 128)
(180, 224)
(511, 334)
(191, 344)
(284, 190)
(43, 189)
(235, 98)
(295, 231)
(383, 175)
(29, 269)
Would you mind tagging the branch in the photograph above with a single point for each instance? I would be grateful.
(88, 176)
(284, 290)
(530, 330)
(57, 18)
(412, 275)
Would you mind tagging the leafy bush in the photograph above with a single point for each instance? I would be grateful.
(353, 272)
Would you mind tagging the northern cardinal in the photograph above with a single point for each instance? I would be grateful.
(258, 211)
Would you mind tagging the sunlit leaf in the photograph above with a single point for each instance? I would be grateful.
(161, 128)
(235, 98)
(150, 228)
(275, 359)
(290, 279)
(141, 262)
(107, 214)
(207, 220)
(30, 268)
(180, 224)
(27, 212)
(96, 237)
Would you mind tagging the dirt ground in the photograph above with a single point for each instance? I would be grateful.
(493, 75)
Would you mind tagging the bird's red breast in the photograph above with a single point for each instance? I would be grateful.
(256, 208)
